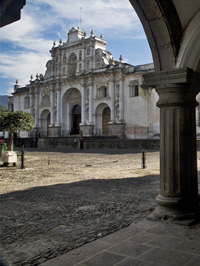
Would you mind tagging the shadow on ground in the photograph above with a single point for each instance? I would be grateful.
(43, 222)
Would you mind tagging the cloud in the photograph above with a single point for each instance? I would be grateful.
(13, 68)
(113, 16)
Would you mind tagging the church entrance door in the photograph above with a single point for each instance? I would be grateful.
(105, 120)
(76, 119)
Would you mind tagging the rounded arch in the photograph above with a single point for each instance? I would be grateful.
(163, 30)
(189, 55)
(102, 118)
(72, 65)
(44, 122)
(71, 98)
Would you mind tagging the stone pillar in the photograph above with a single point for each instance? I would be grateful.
(112, 90)
(121, 100)
(52, 106)
(58, 105)
(83, 111)
(178, 198)
(90, 104)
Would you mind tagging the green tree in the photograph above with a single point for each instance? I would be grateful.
(15, 121)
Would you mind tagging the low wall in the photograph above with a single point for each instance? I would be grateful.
(90, 143)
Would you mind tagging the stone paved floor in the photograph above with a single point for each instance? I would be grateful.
(44, 222)
(143, 243)
(92, 222)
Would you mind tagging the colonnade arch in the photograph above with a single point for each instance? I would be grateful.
(173, 34)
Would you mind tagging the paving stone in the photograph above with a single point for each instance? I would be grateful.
(130, 249)
(166, 257)
(143, 237)
(166, 242)
(135, 262)
(104, 259)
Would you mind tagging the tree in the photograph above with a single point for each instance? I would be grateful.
(15, 121)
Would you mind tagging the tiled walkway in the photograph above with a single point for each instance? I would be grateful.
(142, 244)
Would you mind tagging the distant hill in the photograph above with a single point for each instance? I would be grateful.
(3, 102)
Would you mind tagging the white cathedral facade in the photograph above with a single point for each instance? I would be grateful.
(85, 91)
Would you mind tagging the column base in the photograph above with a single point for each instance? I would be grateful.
(116, 129)
(54, 131)
(177, 209)
(87, 130)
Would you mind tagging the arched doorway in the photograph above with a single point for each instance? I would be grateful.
(71, 113)
(105, 120)
(48, 122)
(76, 119)
(44, 122)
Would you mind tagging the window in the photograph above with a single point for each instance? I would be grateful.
(133, 90)
(103, 91)
(26, 102)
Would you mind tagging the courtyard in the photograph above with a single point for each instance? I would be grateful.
(64, 199)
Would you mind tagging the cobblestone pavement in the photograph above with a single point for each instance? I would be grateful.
(41, 223)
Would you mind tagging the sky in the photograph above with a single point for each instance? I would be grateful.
(25, 44)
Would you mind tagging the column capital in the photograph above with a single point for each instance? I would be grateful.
(176, 95)
(174, 76)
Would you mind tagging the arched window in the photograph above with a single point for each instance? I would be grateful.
(72, 65)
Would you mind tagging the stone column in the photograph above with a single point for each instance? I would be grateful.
(112, 90)
(58, 105)
(121, 100)
(36, 107)
(83, 111)
(52, 105)
(178, 198)
(90, 104)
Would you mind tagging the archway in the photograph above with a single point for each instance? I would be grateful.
(76, 119)
(70, 99)
(102, 118)
(44, 123)
(105, 120)
(172, 28)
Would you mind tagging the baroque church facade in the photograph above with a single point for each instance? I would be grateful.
(85, 91)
